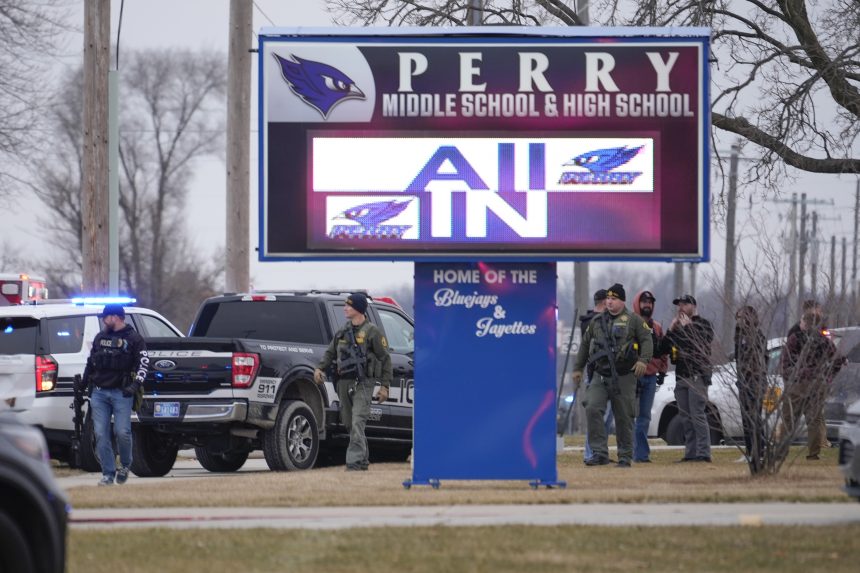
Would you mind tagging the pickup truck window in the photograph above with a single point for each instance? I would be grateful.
(155, 327)
(401, 334)
(283, 320)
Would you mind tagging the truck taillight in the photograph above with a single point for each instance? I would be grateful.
(46, 373)
(245, 368)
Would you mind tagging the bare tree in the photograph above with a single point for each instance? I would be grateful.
(786, 75)
(171, 114)
(28, 31)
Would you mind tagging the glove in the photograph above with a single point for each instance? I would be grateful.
(639, 369)
(130, 390)
(382, 394)
(318, 376)
(661, 377)
(577, 377)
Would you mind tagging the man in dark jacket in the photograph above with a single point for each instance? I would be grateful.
(808, 364)
(646, 386)
(116, 368)
(688, 342)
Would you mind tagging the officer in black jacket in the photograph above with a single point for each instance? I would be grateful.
(116, 369)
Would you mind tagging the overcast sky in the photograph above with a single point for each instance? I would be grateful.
(199, 24)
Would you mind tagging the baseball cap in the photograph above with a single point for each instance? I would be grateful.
(688, 298)
(113, 310)
(647, 294)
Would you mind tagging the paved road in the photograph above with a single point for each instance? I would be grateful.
(664, 514)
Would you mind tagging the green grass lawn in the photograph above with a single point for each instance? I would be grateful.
(452, 549)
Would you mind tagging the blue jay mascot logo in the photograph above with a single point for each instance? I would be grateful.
(319, 85)
(370, 217)
(600, 164)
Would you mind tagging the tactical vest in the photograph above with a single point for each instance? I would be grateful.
(617, 344)
(353, 360)
(112, 353)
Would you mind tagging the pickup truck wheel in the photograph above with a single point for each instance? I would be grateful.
(14, 549)
(221, 461)
(294, 442)
(152, 455)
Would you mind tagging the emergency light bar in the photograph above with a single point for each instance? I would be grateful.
(103, 300)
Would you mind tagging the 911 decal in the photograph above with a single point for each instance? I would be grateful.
(265, 390)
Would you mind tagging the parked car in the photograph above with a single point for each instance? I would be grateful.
(43, 345)
(849, 445)
(724, 409)
(33, 508)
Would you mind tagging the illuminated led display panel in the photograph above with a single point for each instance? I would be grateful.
(483, 146)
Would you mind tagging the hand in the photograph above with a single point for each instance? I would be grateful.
(639, 369)
(577, 377)
(130, 390)
(661, 377)
(318, 376)
(382, 394)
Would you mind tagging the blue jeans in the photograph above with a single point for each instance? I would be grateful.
(107, 402)
(647, 389)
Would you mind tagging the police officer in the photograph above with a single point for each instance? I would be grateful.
(359, 353)
(618, 344)
(116, 369)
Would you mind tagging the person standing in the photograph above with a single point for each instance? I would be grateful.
(808, 364)
(688, 342)
(359, 354)
(751, 365)
(116, 369)
(618, 344)
(646, 387)
(599, 307)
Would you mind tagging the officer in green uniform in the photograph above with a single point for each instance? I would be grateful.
(618, 345)
(359, 353)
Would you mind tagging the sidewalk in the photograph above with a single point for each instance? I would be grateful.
(708, 514)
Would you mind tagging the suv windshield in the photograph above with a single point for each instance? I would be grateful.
(18, 335)
(285, 321)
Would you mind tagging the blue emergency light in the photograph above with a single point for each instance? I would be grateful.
(104, 300)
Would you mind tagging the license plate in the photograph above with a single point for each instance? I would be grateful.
(166, 410)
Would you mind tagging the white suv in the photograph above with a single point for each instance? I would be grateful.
(42, 347)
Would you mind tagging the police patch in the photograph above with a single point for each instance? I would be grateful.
(384, 342)
(359, 338)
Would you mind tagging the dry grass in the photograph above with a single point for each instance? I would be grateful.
(661, 481)
(474, 549)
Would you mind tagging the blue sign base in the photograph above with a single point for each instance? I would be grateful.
(535, 484)
(485, 367)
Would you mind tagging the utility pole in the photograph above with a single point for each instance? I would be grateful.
(475, 12)
(814, 256)
(831, 292)
(678, 283)
(94, 184)
(801, 275)
(792, 265)
(237, 272)
(854, 262)
(731, 248)
(581, 290)
(842, 291)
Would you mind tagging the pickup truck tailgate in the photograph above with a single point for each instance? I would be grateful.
(189, 366)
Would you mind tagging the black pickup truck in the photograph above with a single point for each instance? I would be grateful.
(243, 381)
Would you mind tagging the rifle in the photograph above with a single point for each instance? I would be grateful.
(606, 346)
(77, 405)
(357, 357)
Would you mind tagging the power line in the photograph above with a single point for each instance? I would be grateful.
(266, 16)
(118, 30)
